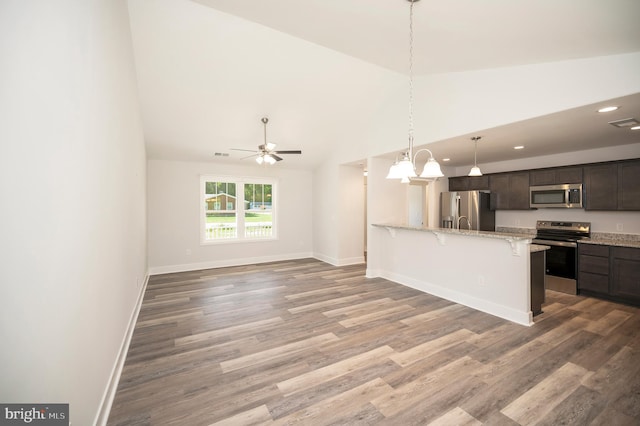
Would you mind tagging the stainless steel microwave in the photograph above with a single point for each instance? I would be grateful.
(567, 196)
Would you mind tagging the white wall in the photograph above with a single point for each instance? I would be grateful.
(325, 213)
(600, 221)
(453, 104)
(449, 105)
(351, 212)
(174, 217)
(72, 178)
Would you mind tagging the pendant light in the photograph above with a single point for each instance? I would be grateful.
(405, 169)
(475, 170)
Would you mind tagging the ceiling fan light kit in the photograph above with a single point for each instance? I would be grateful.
(266, 151)
(405, 169)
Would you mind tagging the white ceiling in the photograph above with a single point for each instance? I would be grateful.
(205, 81)
(453, 35)
(571, 130)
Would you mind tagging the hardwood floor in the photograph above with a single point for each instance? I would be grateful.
(302, 342)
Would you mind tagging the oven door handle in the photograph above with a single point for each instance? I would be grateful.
(555, 243)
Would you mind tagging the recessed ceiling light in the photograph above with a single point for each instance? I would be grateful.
(446, 159)
(519, 147)
(608, 109)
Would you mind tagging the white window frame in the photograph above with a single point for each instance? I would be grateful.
(240, 209)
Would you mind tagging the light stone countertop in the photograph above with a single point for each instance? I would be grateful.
(484, 234)
(537, 247)
(612, 242)
(511, 237)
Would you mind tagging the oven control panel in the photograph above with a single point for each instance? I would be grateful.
(564, 226)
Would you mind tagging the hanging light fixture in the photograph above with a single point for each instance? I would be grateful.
(405, 169)
(475, 170)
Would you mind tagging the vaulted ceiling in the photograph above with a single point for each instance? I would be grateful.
(208, 70)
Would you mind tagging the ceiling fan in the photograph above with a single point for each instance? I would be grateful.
(266, 152)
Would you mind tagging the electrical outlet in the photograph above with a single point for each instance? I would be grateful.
(481, 280)
(618, 227)
(517, 222)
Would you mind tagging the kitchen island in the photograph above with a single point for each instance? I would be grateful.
(487, 271)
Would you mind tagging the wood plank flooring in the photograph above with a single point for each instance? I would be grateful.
(303, 342)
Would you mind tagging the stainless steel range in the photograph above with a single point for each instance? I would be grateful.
(562, 258)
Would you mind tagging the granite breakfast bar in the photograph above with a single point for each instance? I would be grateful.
(488, 271)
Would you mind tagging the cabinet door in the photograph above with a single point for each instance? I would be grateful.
(499, 186)
(556, 176)
(601, 187)
(569, 175)
(625, 271)
(519, 191)
(543, 177)
(478, 182)
(629, 185)
(594, 264)
(593, 282)
(460, 183)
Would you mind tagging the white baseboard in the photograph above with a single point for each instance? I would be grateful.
(357, 260)
(155, 270)
(373, 273)
(501, 311)
(116, 371)
(340, 262)
(326, 259)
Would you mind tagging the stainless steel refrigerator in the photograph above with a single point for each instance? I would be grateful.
(467, 210)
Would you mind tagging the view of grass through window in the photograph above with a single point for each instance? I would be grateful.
(247, 213)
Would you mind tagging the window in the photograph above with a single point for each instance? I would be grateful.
(248, 212)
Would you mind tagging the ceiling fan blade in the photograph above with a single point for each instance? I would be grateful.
(239, 149)
(248, 156)
(287, 152)
(276, 157)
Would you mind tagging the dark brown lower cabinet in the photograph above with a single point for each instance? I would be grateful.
(593, 269)
(609, 272)
(625, 273)
(537, 281)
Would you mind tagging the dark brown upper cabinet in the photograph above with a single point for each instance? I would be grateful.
(629, 185)
(555, 176)
(606, 186)
(612, 186)
(601, 187)
(509, 191)
(469, 183)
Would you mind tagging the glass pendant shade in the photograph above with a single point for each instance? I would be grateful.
(394, 172)
(431, 169)
(402, 169)
(405, 168)
(475, 171)
(260, 160)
